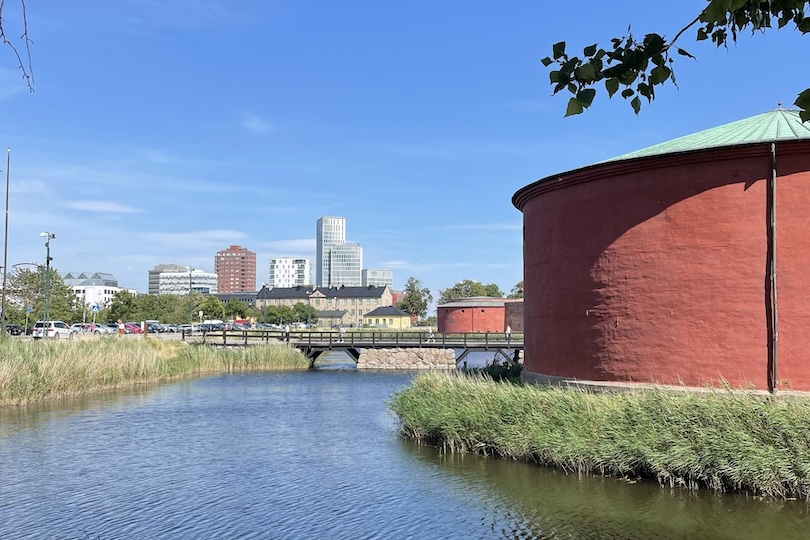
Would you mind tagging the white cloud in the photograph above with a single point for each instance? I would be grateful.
(255, 124)
(101, 206)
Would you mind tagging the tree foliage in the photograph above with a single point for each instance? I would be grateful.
(637, 67)
(467, 289)
(517, 291)
(26, 287)
(417, 298)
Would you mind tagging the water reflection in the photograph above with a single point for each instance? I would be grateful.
(312, 455)
(528, 501)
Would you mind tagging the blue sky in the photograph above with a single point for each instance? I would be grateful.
(161, 131)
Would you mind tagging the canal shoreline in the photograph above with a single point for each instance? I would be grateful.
(33, 371)
(719, 440)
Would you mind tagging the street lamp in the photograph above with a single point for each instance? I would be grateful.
(48, 237)
(190, 312)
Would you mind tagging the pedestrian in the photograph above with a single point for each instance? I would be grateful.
(430, 337)
(121, 328)
(508, 333)
(340, 333)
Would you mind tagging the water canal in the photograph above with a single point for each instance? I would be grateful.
(313, 455)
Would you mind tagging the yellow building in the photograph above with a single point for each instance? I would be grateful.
(387, 317)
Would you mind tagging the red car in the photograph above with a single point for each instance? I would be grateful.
(133, 328)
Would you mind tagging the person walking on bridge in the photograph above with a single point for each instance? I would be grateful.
(340, 333)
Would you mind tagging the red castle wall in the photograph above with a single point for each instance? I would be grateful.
(654, 270)
(481, 318)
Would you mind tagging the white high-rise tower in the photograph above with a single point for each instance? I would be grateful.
(331, 231)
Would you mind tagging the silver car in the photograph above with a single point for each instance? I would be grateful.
(52, 330)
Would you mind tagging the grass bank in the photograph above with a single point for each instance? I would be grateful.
(34, 371)
(722, 441)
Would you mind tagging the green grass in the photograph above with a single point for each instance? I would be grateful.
(722, 441)
(36, 370)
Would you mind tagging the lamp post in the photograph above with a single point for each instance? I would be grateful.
(190, 312)
(45, 318)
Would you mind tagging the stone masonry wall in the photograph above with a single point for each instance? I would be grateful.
(427, 358)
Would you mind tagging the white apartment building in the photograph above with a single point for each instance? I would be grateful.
(289, 272)
(93, 288)
(378, 277)
(178, 279)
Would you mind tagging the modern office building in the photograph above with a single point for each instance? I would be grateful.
(377, 276)
(177, 279)
(289, 272)
(93, 288)
(345, 265)
(331, 231)
(236, 270)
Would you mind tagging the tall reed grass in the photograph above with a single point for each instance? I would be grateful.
(723, 441)
(33, 371)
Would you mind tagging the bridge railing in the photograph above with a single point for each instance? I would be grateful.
(359, 337)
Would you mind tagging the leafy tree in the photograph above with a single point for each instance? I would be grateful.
(517, 291)
(305, 313)
(122, 306)
(467, 289)
(234, 309)
(638, 66)
(417, 299)
(26, 287)
(212, 308)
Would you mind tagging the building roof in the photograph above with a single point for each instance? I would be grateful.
(387, 311)
(303, 293)
(284, 292)
(477, 301)
(773, 126)
(331, 314)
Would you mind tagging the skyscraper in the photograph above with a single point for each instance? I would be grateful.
(331, 231)
(345, 265)
(236, 270)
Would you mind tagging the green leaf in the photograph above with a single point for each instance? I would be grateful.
(586, 96)
(627, 92)
(585, 73)
(737, 4)
(572, 88)
(574, 107)
(659, 74)
(554, 76)
(804, 26)
(612, 86)
(559, 50)
(547, 61)
(683, 52)
(803, 102)
(701, 34)
(653, 44)
(645, 90)
(636, 104)
(589, 50)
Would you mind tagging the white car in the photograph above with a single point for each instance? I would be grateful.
(54, 329)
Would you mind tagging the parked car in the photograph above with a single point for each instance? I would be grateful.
(133, 328)
(13, 329)
(52, 330)
(100, 329)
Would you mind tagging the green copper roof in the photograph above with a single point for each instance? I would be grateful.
(772, 126)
